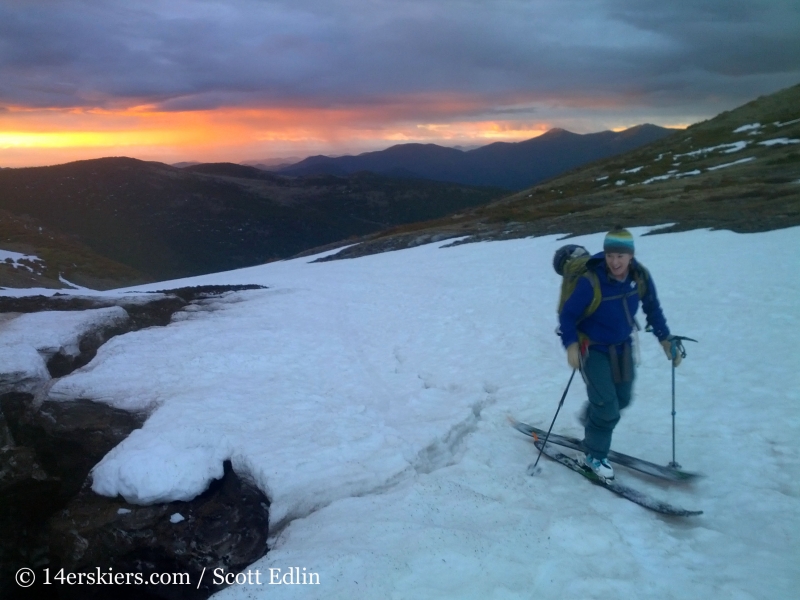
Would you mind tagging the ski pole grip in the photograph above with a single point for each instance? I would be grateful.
(676, 345)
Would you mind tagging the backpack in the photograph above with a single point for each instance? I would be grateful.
(571, 262)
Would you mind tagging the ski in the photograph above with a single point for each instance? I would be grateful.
(638, 464)
(631, 494)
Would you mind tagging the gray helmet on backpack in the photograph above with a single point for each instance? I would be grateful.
(566, 253)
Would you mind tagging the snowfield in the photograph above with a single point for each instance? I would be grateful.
(368, 398)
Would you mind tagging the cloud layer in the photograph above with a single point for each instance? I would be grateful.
(584, 64)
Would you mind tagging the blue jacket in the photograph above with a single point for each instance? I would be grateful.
(611, 323)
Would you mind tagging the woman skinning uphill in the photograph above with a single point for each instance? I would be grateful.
(597, 321)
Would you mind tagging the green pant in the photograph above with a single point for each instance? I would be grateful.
(606, 400)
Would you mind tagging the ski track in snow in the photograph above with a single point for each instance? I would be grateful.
(368, 398)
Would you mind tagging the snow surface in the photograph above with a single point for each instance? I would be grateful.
(730, 164)
(750, 127)
(670, 175)
(368, 399)
(23, 369)
(28, 341)
(74, 286)
(15, 258)
(51, 332)
(658, 178)
(726, 148)
(779, 141)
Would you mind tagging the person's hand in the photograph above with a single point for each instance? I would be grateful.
(574, 355)
(667, 345)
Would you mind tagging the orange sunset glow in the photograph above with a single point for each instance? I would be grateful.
(50, 136)
(249, 81)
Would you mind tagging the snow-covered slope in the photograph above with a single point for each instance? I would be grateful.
(369, 397)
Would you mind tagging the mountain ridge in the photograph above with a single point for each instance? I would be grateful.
(118, 221)
(140, 221)
(738, 171)
(508, 165)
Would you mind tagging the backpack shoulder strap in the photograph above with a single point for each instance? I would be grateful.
(597, 297)
(642, 277)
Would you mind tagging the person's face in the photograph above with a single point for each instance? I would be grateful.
(618, 263)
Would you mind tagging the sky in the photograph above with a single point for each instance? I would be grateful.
(249, 80)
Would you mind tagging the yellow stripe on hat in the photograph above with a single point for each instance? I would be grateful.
(618, 240)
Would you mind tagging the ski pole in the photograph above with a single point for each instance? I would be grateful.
(532, 468)
(676, 347)
(673, 464)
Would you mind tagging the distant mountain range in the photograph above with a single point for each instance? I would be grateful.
(511, 166)
(113, 221)
(273, 164)
(117, 221)
(738, 171)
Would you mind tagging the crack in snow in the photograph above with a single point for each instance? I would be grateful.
(441, 453)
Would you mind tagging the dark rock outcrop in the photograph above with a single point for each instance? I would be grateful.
(69, 438)
(28, 495)
(55, 448)
(147, 309)
(50, 518)
(144, 311)
(223, 528)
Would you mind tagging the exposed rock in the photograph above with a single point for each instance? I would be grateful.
(56, 447)
(62, 363)
(191, 293)
(37, 346)
(46, 476)
(28, 495)
(145, 310)
(23, 369)
(5, 433)
(388, 244)
(50, 518)
(69, 438)
(223, 528)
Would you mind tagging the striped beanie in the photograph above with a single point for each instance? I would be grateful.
(618, 240)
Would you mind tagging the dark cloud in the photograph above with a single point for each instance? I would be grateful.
(514, 54)
(732, 37)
